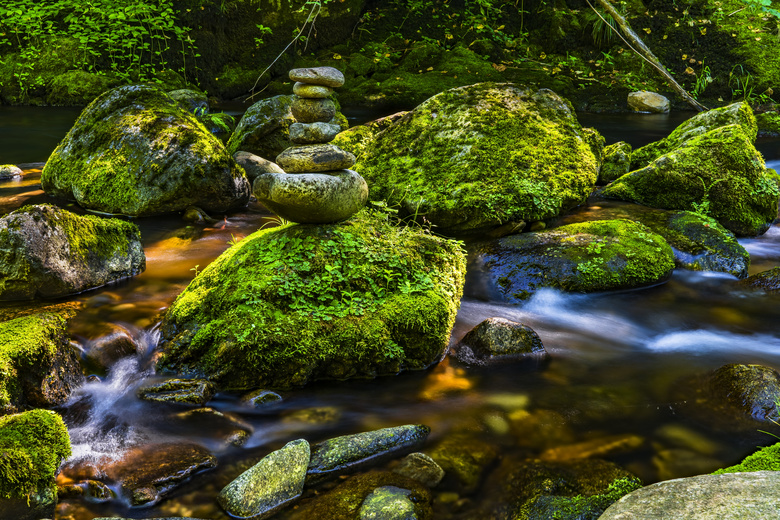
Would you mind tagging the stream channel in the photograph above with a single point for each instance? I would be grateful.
(615, 365)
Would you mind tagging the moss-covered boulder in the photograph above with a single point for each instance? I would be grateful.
(135, 151)
(48, 252)
(38, 367)
(719, 173)
(300, 302)
(32, 446)
(590, 256)
(474, 157)
(769, 122)
(616, 163)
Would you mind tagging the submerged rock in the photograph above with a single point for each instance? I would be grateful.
(298, 303)
(135, 151)
(421, 468)
(262, 398)
(268, 486)
(181, 391)
(47, 252)
(475, 157)
(704, 497)
(388, 503)
(498, 338)
(464, 459)
(351, 452)
(33, 444)
(590, 256)
(39, 367)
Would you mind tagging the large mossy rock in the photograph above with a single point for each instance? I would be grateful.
(475, 157)
(48, 252)
(298, 303)
(590, 256)
(38, 367)
(136, 151)
(716, 171)
(32, 446)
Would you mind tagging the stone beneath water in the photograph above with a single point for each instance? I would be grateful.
(47, 252)
(180, 391)
(10, 171)
(351, 452)
(312, 133)
(704, 497)
(651, 102)
(306, 110)
(498, 338)
(591, 256)
(464, 458)
(298, 303)
(314, 158)
(269, 485)
(421, 468)
(388, 503)
(306, 90)
(254, 165)
(312, 198)
(475, 157)
(325, 76)
(135, 151)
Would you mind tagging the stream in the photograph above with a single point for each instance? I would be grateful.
(615, 365)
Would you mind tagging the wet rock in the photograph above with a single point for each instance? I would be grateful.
(768, 281)
(148, 474)
(351, 452)
(650, 102)
(464, 458)
(220, 424)
(752, 389)
(254, 165)
(312, 198)
(704, 497)
(184, 234)
(109, 348)
(498, 338)
(421, 468)
(181, 391)
(594, 448)
(47, 252)
(262, 398)
(10, 171)
(97, 491)
(270, 485)
(313, 110)
(39, 367)
(345, 501)
(617, 162)
(312, 133)
(306, 90)
(388, 503)
(196, 215)
(264, 128)
(135, 151)
(590, 256)
(326, 76)
(191, 100)
(315, 158)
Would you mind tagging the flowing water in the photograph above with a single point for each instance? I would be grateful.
(615, 366)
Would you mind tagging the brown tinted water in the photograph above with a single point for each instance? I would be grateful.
(616, 365)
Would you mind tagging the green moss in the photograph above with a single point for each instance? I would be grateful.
(617, 162)
(32, 446)
(578, 507)
(77, 87)
(300, 302)
(769, 122)
(765, 459)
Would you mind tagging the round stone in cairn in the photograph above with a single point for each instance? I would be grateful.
(314, 158)
(312, 198)
(325, 76)
(313, 133)
(313, 110)
(305, 90)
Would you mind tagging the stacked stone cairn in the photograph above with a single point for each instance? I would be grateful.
(317, 187)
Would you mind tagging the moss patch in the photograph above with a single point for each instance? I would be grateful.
(765, 459)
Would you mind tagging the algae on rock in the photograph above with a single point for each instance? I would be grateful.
(301, 302)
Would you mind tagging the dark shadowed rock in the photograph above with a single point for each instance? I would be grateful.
(421, 468)
(498, 338)
(181, 391)
(768, 281)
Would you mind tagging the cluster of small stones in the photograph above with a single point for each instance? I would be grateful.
(324, 189)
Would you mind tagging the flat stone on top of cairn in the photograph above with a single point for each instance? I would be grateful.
(325, 76)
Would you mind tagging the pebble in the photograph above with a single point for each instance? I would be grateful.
(325, 76)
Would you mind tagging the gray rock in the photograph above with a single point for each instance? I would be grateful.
(313, 110)
(47, 252)
(616, 163)
(768, 281)
(254, 165)
(269, 485)
(191, 100)
(421, 468)
(498, 337)
(135, 151)
(388, 503)
(748, 496)
(314, 158)
(313, 133)
(181, 391)
(312, 198)
(350, 452)
(306, 90)
(263, 129)
(644, 101)
(10, 171)
(326, 76)
(262, 398)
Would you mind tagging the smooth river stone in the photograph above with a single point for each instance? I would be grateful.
(325, 76)
(10, 171)
(313, 110)
(306, 90)
(312, 198)
(254, 165)
(313, 133)
(314, 158)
